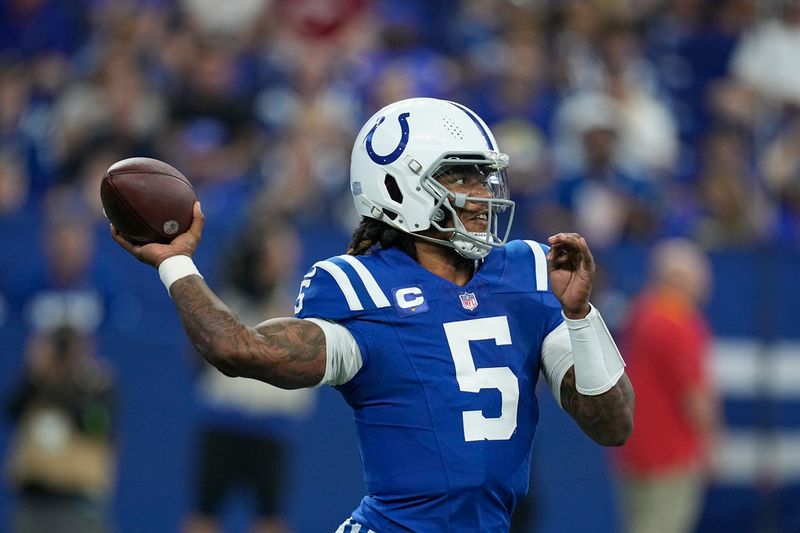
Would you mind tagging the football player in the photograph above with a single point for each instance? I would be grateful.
(433, 327)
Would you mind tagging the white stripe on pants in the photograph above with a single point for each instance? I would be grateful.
(351, 526)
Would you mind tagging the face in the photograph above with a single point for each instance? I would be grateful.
(469, 181)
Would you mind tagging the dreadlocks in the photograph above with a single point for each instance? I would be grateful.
(371, 232)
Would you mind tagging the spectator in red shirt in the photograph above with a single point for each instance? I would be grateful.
(666, 344)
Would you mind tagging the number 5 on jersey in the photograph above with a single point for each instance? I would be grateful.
(470, 379)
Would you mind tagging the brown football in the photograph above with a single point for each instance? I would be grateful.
(147, 200)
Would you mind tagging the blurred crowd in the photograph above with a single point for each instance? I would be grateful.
(627, 120)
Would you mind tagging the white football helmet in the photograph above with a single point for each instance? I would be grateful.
(400, 151)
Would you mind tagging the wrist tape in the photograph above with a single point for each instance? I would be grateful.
(598, 363)
(176, 267)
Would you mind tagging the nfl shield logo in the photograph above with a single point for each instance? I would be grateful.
(468, 301)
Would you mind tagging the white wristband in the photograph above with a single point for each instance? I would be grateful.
(176, 267)
(598, 363)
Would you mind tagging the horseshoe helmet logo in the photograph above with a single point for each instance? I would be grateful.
(392, 156)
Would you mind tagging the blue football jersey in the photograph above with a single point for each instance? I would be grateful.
(444, 404)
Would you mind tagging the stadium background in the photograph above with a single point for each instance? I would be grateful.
(257, 101)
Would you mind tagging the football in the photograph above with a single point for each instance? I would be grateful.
(147, 200)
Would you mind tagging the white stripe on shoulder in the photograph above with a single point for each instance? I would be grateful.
(344, 283)
(375, 292)
(540, 265)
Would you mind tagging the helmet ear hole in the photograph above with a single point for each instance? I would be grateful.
(393, 189)
(389, 213)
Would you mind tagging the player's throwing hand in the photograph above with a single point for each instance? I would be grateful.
(154, 254)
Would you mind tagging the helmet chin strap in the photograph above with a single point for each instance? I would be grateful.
(468, 248)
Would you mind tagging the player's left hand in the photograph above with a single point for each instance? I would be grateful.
(571, 268)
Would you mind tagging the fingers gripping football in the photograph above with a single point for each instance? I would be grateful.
(154, 253)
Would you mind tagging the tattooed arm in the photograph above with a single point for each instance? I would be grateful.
(286, 352)
(607, 418)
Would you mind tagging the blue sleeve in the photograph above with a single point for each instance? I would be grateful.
(529, 271)
(554, 316)
(321, 296)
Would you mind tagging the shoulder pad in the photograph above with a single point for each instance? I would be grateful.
(529, 262)
(338, 288)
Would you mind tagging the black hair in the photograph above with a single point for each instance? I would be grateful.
(371, 232)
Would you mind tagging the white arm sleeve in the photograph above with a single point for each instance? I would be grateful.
(598, 363)
(343, 359)
(556, 358)
(587, 344)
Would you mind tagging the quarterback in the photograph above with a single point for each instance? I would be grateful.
(434, 327)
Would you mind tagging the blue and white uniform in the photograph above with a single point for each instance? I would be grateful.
(443, 390)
